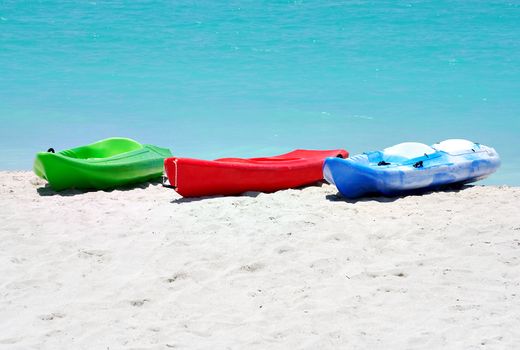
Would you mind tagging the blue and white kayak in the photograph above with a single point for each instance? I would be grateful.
(411, 166)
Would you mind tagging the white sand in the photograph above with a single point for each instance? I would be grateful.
(145, 269)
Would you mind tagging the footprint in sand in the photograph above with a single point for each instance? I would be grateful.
(52, 316)
(252, 267)
(176, 277)
(99, 255)
(139, 302)
(284, 249)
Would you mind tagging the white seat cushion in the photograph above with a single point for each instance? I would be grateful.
(455, 146)
(406, 150)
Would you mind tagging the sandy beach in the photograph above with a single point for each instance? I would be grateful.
(143, 268)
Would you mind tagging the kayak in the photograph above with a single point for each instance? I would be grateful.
(104, 164)
(229, 176)
(411, 166)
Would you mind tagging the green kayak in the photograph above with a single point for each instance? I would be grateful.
(101, 165)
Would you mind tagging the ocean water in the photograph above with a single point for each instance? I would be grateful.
(249, 78)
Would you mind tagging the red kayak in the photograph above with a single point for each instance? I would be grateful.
(228, 176)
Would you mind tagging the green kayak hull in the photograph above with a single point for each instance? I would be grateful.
(104, 164)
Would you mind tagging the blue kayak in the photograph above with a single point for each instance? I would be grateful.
(411, 166)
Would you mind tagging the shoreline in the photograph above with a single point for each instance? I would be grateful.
(144, 268)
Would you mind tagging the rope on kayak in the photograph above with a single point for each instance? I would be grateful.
(418, 164)
(51, 150)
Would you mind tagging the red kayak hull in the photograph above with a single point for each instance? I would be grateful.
(229, 176)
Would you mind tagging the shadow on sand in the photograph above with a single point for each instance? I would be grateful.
(46, 190)
(251, 194)
(382, 199)
(182, 200)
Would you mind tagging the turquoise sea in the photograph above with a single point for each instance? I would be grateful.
(248, 78)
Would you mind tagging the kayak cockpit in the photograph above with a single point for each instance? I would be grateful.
(103, 149)
(400, 154)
